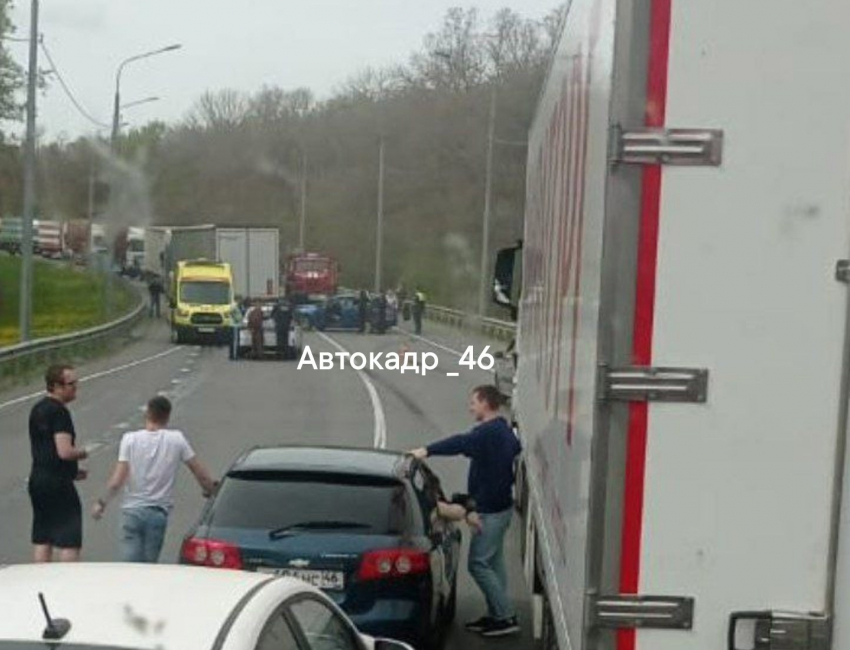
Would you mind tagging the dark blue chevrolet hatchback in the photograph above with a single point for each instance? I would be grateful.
(359, 524)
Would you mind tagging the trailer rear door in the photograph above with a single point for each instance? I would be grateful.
(731, 502)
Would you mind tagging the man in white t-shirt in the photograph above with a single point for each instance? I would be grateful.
(148, 462)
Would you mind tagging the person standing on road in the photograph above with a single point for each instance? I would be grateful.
(57, 513)
(418, 310)
(492, 446)
(381, 315)
(155, 289)
(148, 461)
(255, 326)
(282, 317)
(363, 311)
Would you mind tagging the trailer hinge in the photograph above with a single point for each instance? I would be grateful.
(651, 384)
(842, 271)
(771, 630)
(632, 611)
(654, 146)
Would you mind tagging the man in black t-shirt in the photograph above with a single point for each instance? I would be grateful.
(57, 513)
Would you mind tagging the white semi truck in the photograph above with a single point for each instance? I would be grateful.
(683, 359)
(253, 254)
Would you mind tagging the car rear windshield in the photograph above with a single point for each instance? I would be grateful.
(312, 501)
(205, 293)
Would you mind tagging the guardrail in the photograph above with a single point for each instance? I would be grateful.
(499, 329)
(18, 359)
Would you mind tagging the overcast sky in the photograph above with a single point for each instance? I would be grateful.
(241, 44)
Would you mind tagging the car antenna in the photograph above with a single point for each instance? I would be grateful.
(56, 628)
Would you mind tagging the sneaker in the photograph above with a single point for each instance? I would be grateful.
(480, 624)
(502, 627)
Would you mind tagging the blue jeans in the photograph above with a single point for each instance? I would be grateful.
(487, 563)
(142, 534)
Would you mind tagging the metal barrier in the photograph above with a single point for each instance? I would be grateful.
(498, 329)
(18, 359)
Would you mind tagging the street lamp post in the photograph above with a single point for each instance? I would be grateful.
(488, 192)
(25, 301)
(116, 114)
(379, 243)
(302, 221)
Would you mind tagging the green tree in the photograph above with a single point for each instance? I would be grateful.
(11, 74)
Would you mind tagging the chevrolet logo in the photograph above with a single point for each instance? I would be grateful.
(299, 564)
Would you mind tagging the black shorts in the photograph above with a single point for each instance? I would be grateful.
(57, 512)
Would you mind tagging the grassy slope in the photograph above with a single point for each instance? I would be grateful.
(65, 299)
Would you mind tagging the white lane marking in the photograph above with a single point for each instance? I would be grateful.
(175, 381)
(185, 369)
(452, 374)
(97, 375)
(121, 425)
(380, 439)
(434, 343)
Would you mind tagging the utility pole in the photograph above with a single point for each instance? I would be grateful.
(303, 221)
(25, 315)
(488, 191)
(91, 189)
(379, 245)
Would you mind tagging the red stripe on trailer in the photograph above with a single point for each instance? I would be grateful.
(656, 104)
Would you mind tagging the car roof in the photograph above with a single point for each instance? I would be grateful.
(341, 460)
(125, 605)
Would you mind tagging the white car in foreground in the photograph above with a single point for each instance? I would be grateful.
(166, 607)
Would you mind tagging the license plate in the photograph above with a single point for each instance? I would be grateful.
(332, 580)
(206, 330)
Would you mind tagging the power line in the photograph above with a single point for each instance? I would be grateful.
(67, 90)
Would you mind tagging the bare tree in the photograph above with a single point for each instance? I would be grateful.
(453, 57)
(223, 109)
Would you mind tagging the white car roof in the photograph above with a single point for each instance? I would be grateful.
(126, 605)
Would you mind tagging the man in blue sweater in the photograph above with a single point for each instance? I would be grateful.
(492, 446)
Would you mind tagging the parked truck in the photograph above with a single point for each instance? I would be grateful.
(128, 250)
(252, 253)
(311, 275)
(254, 257)
(49, 236)
(10, 234)
(157, 239)
(77, 239)
(683, 359)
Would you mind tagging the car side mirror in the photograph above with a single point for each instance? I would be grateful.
(388, 644)
(503, 278)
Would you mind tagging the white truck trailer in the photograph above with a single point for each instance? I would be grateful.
(252, 252)
(683, 357)
(254, 256)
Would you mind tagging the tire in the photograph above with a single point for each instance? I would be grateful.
(178, 336)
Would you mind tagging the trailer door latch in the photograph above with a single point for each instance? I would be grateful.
(773, 630)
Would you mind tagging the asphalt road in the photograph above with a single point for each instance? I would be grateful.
(225, 407)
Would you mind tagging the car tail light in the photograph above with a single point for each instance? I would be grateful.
(211, 553)
(393, 563)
